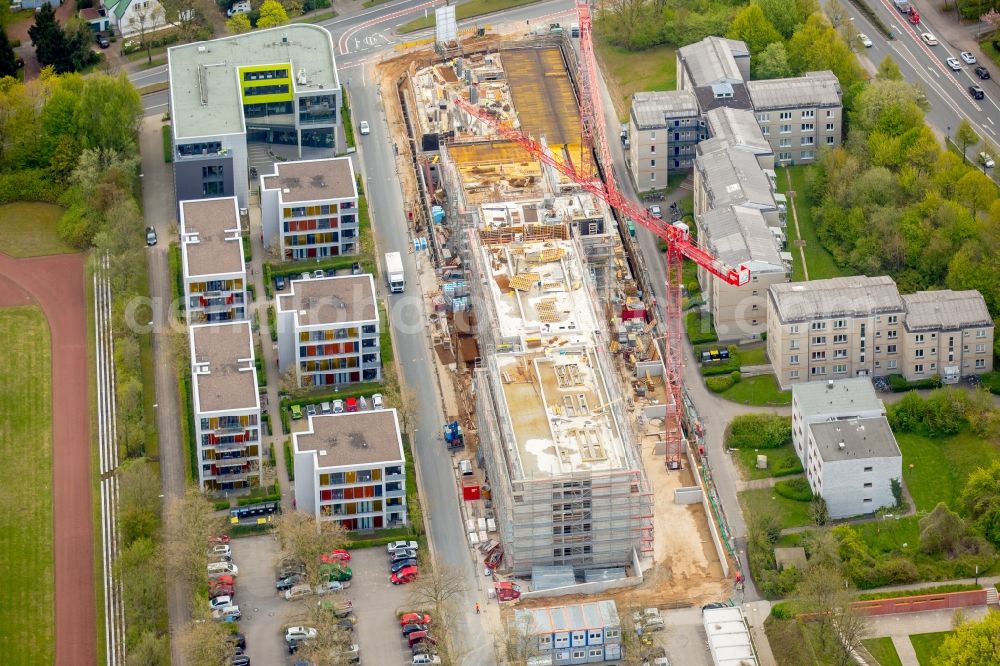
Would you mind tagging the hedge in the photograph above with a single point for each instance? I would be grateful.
(29, 185)
(294, 269)
(794, 489)
(261, 494)
(236, 531)
(168, 145)
(221, 504)
(991, 382)
(898, 384)
(759, 431)
(272, 323)
(715, 368)
(937, 589)
(187, 423)
(723, 383)
(697, 332)
(289, 460)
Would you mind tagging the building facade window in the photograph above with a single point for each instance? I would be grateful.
(785, 115)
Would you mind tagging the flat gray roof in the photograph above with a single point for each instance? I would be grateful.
(945, 309)
(313, 180)
(855, 439)
(205, 99)
(740, 235)
(573, 617)
(739, 127)
(652, 110)
(210, 237)
(812, 89)
(711, 60)
(840, 397)
(222, 362)
(732, 176)
(855, 296)
(352, 439)
(331, 300)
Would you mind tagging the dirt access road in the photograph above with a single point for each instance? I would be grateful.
(57, 285)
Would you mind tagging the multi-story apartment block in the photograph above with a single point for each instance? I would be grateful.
(664, 128)
(226, 406)
(212, 260)
(267, 86)
(350, 468)
(328, 331)
(739, 129)
(309, 209)
(739, 235)
(725, 175)
(861, 326)
(947, 333)
(587, 633)
(715, 69)
(799, 115)
(848, 451)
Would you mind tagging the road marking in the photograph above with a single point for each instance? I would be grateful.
(990, 119)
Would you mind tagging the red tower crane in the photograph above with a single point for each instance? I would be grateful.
(678, 241)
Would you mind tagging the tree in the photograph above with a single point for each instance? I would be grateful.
(897, 491)
(783, 15)
(818, 510)
(187, 15)
(965, 136)
(305, 539)
(146, 17)
(189, 524)
(816, 46)
(109, 114)
(332, 644)
(518, 643)
(752, 27)
(51, 47)
(203, 641)
(824, 593)
(941, 530)
(972, 643)
(438, 589)
(272, 14)
(888, 70)
(976, 190)
(238, 24)
(8, 59)
(140, 572)
(138, 501)
(149, 650)
(980, 500)
(772, 63)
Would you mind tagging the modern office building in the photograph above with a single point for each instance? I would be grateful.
(861, 326)
(799, 115)
(309, 209)
(715, 70)
(848, 451)
(328, 331)
(585, 633)
(212, 261)
(663, 129)
(267, 86)
(226, 406)
(350, 468)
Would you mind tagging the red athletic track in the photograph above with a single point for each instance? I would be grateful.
(57, 284)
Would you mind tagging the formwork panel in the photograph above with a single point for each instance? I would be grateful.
(543, 96)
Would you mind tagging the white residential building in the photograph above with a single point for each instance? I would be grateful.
(328, 331)
(351, 468)
(842, 437)
(226, 405)
(135, 17)
(309, 209)
(212, 260)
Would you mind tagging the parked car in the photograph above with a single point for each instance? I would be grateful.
(150, 236)
(425, 659)
(311, 409)
(954, 64)
(865, 40)
(648, 620)
(216, 569)
(237, 640)
(338, 608)
(986, 160)
(403, 576)
(103, 41)
(409, 618)
(338, 406)
(364, 128)
(982, 72)
(220, 549)
(928, 39)
(227, 614)
(240, 660)
(219, 538)
(410, 628)
(967, 57)
(402, 564)
(336, 555)
(324, 407)
(279, 282)
(399, 545)
(418, 636)
(287, 582)
(220, 591)
(223, 580)
(336, 572)
(296, 412)
(298, 592)
(422, 648)
(351, 405)
(403, 554)
(977, 92)
(220, 602)
(331, 586)
(318, 273)
(377, 401)
(299, 634)
(655, 212)
(347, 622)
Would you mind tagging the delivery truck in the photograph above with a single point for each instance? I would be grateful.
(394, 272)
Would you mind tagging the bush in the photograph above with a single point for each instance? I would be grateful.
(168, 145)
(221, 504)
(794, 489)
(289, 460)
(940, 414)
(786, 466)
(720, 384)
(29, 185)
(310, 5)
(898, 384)
(700, 329)
(759, 431)
(781, 611)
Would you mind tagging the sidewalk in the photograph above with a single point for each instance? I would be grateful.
(901, 626)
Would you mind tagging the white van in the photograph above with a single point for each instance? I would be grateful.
(216, 569)
(297, 592)
(466, 467)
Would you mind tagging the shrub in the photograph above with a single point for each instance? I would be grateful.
(221, 504)
(944, 412)
(794, 489)
(779, 584)
(786, 466)
(29, 185)
(700, 329)
(759, 431)
(898, 384)
(720, 384)
(781, 611)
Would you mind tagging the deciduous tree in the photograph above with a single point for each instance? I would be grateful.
(306, 539)
(965, 136)
(238, 24)
(146, 17)
(888, 70)
(772, 63)
(980, 500)
(272, 14)
(783, 15)
(189, 523)
(972, 643)
(751, 26)
(203, 641)
(941, 530)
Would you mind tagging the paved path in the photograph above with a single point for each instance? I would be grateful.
(57, 284)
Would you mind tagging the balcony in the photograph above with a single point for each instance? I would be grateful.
(400, 492)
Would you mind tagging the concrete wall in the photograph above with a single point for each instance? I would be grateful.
(689, 495)
(707, 506)
(924, 602)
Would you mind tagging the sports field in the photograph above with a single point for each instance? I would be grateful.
(27, 612)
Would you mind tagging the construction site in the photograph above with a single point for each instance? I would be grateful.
(544, 329)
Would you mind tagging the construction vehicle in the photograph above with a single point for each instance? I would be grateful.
(678, 240)
(453, 436)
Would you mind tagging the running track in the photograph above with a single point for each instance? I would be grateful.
(56, 284)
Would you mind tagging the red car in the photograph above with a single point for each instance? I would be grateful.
(351, 405)
(403, 576)
(221, 538)
(220, 591)
(338, 555)
(224, 580)
(414, 618)
(418, 636)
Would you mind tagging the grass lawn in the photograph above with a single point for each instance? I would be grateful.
(789, 512)
(758, 390)
(463, 11)
(819, 262)
(987, 46)
(927, 645)
(755, 355)
(28, 229)
(935, 469)
(27, 611)
(883, 650)
(628, 72)
(781, 461)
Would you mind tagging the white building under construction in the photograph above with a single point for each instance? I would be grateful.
(566, 480)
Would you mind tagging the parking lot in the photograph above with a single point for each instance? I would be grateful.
(265, 612)
(685, 639)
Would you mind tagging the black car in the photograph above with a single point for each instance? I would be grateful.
(410, 628)
(287, 582)
(102, 41)
(238, 640)
(279, 282)
(982, 72)
(976, 92)
(714, 604)
(241, 660)
(397, 566)
(293, 647)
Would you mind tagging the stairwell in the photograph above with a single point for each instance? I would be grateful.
(992, 596)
